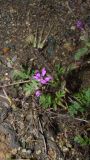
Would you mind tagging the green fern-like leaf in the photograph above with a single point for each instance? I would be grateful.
(87, 95)
(80, 53)
(83, 97)
(30, 88)
(59, 98)
(60, 70)
(20, 75)
(45, 101)
(81, 102)
(82, 141)
(74, 108)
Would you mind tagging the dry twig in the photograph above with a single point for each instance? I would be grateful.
(15, 83)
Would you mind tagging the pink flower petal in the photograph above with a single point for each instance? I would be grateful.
(43, 72)
(42, 81)
(37, 78)
(38, 93)
(47, 79)
(38, 75)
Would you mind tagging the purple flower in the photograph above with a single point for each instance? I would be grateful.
(37, 76)
(80, 25)
(43, 72)
(38, 93)
(41, 77)
(47, 79)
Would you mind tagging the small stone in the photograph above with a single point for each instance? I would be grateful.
(52, 138)
(14, 58)
(28, 117)
(24, 151)
(38, 152)
(69, 145)
(21, 126)
(52, 154)
(63, 53)
(12, 10)
(29, 152)
(27, 23)
(6, 74)
(14, 151)
(22, 116)
(9, 65)
(7, 79)
(65, 149)
(72, 27)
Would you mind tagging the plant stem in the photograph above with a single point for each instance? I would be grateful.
(15, 83)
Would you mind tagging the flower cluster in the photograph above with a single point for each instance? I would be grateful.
(80, 25)
(42, 78)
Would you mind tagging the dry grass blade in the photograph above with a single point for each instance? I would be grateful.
(15, 83)
(41, 45)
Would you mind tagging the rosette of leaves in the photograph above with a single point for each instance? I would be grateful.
(83, 51)
(60, 72)
(83, 141)
(45, 100)
(80, 103)
(80, 53)
(59, 99)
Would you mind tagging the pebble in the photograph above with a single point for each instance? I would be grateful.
(73, 27)
(24, 150)
(65, 149)
(38, 152)
(14, 58)
(28, 117)
(29, 152)
(21, 125)
(14, 151)
(9, 65)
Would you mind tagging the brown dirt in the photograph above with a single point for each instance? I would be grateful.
(28, 130)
